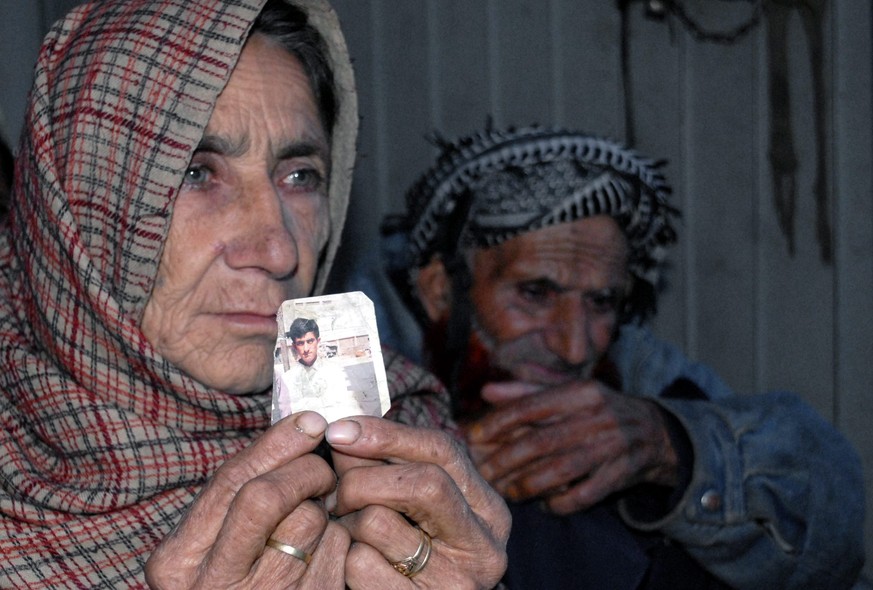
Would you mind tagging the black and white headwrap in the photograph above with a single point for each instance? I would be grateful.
(491, 186)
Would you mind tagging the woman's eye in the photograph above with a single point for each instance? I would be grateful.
(196, 175)
(305, 179)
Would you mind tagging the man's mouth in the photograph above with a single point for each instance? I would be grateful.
(538, 373)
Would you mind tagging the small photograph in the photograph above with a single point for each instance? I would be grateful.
(328, 358)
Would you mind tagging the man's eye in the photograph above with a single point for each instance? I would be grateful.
(305, 179)
(603, 302)
(536, 291)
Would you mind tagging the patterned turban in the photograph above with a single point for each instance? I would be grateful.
(494, 185)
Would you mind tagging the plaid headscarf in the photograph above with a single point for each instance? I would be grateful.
(104, 443)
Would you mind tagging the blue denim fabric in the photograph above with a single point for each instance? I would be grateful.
(776, 496)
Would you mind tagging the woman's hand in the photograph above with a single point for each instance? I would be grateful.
(262, 493)
(394, 478)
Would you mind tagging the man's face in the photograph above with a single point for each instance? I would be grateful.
(248, 225)
(307, 348)
(546, 302)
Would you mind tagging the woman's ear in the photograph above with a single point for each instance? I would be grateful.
(434, 290)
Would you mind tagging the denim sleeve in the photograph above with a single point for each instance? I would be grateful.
(775, 498)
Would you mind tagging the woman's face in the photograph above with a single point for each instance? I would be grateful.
(249, 223)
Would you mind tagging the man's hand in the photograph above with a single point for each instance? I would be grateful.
(571, 445)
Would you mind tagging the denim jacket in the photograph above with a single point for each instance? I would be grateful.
(775, 497)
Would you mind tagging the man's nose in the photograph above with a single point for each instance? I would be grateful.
(567, 334)
(261, 236)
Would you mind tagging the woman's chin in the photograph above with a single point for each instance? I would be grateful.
(236, 378)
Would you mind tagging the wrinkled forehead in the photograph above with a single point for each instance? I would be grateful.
(267, 109)
(593, 248)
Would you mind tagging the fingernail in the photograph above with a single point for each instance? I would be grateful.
(343, 432)
(330, 501)
(311, 424)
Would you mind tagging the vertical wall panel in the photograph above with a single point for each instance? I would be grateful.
(798, 348)
(405, 91)
(462, 67)
(658, 100)
(23, 24)
(361, 31)
(853, 187)
(722, 160)
(18, 46)
(588, 64)
(524, 64)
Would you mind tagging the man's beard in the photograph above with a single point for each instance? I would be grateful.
(485, 362)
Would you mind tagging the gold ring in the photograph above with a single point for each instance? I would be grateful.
(290, 550)
(413, 564)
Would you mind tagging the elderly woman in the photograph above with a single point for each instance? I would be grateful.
(185, 167)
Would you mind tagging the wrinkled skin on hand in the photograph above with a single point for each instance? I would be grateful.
(392, 477)
(264, 491)
(546, 306)
(571, 445)
(391, 474)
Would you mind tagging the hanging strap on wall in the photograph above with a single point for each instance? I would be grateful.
(782, 153)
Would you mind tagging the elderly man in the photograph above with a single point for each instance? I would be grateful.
(533, 258)
(185, 169)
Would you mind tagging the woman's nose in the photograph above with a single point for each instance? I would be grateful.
(261, 235)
